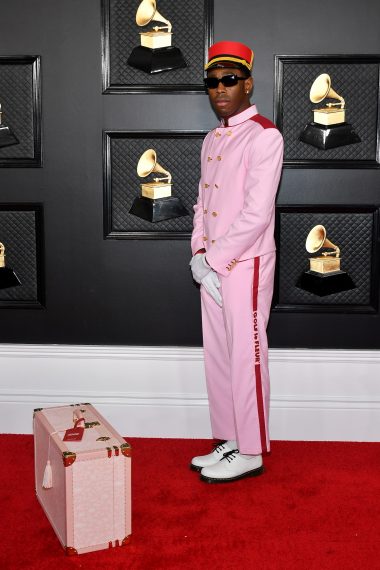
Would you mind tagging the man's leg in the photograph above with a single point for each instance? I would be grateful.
(217, 368)
(247, 295)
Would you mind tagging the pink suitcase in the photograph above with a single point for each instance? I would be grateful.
(89, 501)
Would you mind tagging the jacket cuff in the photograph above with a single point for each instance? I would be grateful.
(197, 245)
(224, 270)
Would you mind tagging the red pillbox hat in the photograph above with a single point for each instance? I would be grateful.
(234, 52)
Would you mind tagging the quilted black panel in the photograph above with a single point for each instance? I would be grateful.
(189, 35)
(356, 82)
(351, 232)
(179, 155)
(20, 110)
(18, 234)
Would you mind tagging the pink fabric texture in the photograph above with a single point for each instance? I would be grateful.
(241, 169)
(230, 335)
(234, 222)
(89, 502)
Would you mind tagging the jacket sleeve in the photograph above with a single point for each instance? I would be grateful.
(197, 242)
(264, 164)
(197, 235)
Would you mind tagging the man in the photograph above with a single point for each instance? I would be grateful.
(234, 260)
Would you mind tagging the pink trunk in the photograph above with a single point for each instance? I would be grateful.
(89, 503)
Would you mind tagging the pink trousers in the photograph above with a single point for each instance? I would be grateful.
(236, 354)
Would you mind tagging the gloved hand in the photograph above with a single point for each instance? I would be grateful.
(211, 283)
(199, 267)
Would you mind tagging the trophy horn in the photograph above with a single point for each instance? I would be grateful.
(321, 89)
(2, 255)
(8, 277)
(317, 239)
(148, 163)
(147, 11)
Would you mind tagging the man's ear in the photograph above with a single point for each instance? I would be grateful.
(248, 84)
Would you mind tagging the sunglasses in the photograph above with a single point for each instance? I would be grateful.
(226, 80)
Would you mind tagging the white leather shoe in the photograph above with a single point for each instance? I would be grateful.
(197, 463)
(232, 467)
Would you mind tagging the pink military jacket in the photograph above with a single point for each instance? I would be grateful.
(241, 169)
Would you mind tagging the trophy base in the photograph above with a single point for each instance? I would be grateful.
(7, 138)
(329, 136)
(325, 284)
(159, 209)
(8, 278)
(324, 264)
(156, 60)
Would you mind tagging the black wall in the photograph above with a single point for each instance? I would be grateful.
(140, 292)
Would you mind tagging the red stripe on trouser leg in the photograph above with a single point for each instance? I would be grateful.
(256, 345)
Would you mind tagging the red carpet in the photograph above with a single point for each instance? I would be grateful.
(316, 507)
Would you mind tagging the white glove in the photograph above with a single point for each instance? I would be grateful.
(211, 283)
(199, 267)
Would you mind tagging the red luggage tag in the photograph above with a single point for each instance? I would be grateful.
(75, 433)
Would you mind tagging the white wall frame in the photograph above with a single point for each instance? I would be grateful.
(160, 391)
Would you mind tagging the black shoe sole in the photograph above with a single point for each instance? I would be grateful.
(253, 473)
(195, 467)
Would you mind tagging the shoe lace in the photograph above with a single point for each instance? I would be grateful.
(219, 447)
(231, 455)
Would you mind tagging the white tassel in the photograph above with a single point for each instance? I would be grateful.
(47, 481)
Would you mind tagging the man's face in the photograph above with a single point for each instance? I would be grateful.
(229, 101)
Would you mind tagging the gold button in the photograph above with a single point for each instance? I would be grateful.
(212, 241)
(205, 211)
(229, 133)
(216, 186)
(217, 134)
(219, 158)
(209, 158)
(207, 185)
(204, 238)
(215, 214)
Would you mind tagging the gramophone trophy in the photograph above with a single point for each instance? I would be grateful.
(329, 128)
(156, 202)
(7, 138)
(8, 277)
(324, 276)
(156, 52)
